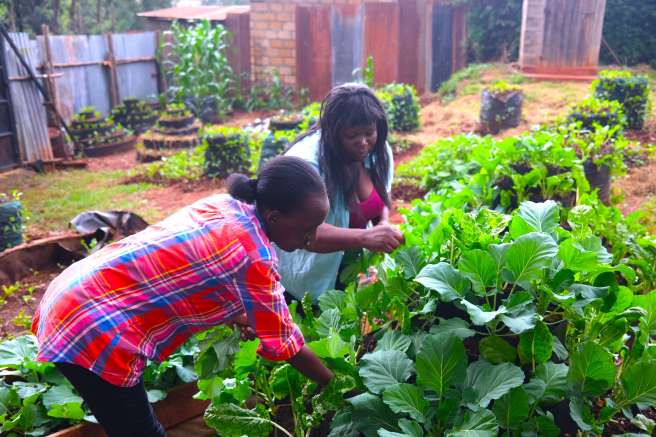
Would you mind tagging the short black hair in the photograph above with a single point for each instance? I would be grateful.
(284, 183)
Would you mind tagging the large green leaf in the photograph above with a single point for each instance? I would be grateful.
(232, 420)
(488, 381)
(497, 350)
(639, 384)
(331, 299)
(407, 398)
(583, 255)
(411, 260)
(512, 408)
(592, 370)
(555, 379)
(454, 326)
(445, 280)
(482, 423)
(330, 347)
(394, 341)
(18, 350)
(382, 369)
(520, 322)
(285, 381)
(370, 414)
(479, 316)
(246, 357)
(645, 301)
(329, 322)
(441, 362)
(480, 267)
(528, 257)
(535, 217)
(536, 346)
(342, 425)
(61, 402)
(408, 429)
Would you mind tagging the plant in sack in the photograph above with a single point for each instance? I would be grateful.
(501, 107)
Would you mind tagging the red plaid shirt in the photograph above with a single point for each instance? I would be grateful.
(142, 297)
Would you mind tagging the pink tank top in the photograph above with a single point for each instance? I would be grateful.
(360, 213)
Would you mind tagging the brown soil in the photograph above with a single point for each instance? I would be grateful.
(38, 282)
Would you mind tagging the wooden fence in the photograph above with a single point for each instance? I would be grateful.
(79, 70)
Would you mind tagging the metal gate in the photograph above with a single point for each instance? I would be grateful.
(8, 144)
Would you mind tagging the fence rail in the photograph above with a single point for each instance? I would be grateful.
(79, 70)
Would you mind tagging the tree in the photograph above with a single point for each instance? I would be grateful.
(76, 16)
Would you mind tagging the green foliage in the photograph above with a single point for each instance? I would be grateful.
(401, 105)
(448, 89)
(493, 29)
(274, 94)
(227, 151)
(201, 74)
(624, 22)
(501, 87)
(631, 91)
(13, 218)
(593, 112)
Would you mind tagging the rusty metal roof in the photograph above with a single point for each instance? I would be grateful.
(212, 13)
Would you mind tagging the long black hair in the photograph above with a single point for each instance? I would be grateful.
(283, 184)
(345, 106)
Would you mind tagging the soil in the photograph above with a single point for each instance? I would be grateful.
(15, 304)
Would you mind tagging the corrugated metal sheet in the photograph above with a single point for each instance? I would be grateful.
(31, 120)
(80, 86)
(136, 79)
(346, 33)
(212, 13)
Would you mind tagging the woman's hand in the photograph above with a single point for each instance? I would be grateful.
(382, 238)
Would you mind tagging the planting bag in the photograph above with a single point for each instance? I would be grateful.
(11, 224)
(500, 112)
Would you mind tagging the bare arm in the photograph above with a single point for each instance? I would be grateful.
(329, 238)
(306, 362)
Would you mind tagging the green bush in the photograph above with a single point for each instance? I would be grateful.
(625, 25)
(493, 29)
(401, 104)
(629, 90)
(227, 151)
(593, 112)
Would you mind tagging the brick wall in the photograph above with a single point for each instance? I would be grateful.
(273, 36)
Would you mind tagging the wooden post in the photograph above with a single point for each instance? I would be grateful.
(49, 70)
(113, 78)
(161, 73)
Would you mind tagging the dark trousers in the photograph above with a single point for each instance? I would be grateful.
(122, 411)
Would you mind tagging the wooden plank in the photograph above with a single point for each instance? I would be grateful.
(113, 78)
(31, 119)
(409, 39)
(239, 54)
(346, 37)
(313, 50)
(50, 76)
(381, 39)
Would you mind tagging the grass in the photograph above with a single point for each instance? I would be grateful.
(52, 200)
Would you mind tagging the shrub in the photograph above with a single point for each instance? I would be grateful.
(400, 101)
(227, 151)
(629, 90)
(501, 106)
(593, 112)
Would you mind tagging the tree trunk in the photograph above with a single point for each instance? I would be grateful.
(54, 24)
(72, 16)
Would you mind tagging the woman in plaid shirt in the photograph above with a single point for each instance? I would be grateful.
(210, 263)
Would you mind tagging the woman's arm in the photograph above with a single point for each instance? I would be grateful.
(306, 362)
(329, 238)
